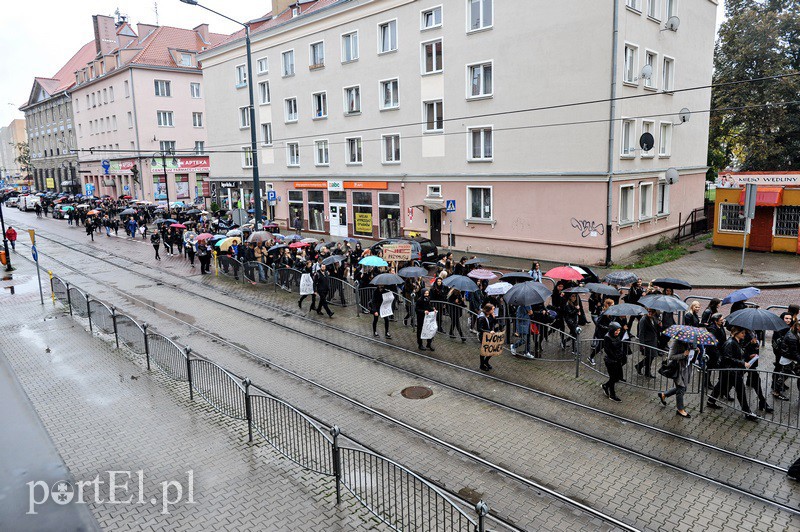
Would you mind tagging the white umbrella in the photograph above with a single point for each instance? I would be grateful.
(498, 289)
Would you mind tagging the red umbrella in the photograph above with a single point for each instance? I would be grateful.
(204, 236)
(126, 197)
(481, 273)
(178, 226)
(295, 245)
(567, 273)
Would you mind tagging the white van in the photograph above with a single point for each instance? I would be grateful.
(28, 203)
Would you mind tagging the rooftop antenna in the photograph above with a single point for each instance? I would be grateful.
(155, 10)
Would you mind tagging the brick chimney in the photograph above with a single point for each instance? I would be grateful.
(202, 30)
(279, 6)
(144, 29)
(105, 33)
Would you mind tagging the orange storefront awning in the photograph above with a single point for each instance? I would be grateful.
(766, 197)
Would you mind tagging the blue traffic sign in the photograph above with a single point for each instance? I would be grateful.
(126, 188)
(34, 253)
(272, 195)
(451, 205)
(106, 164)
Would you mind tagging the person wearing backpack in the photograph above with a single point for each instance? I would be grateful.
(155, 241)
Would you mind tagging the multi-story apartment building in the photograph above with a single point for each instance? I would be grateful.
(11, 136)
(51, 133)
(138, 97)
(524, 118)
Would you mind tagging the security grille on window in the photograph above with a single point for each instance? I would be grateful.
(293, 154)
(320, 105)
(321, 153)
(266, 134)
(354, 151)
(391, 94)
(391, 148)
(352, 100)
(434, 116)
(287, 59)
(481, 147)
(291, 110)
(162, 88)
(432, 18)
(389, 215)
(729, 217)
(432, 57)
(787, 220)
(480, 14)
(480, 80)
(241, 75)
(387, 36)
(480, 203)
(349, 47)
(263, 93)
(317, 52)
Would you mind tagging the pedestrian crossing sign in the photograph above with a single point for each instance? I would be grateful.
(451, 205)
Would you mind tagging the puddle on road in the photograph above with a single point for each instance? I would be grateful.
(141, 302)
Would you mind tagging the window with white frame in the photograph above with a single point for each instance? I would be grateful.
(668, 74)
(480, 203)
(633, 4)
(247, 157)
(390, 94)
(652, 9)
(387, 37)
(162, 88)
(431, 18)
(391, 148)
(287, 63)
(241, 75)
(481, 142)
(316, 55)
(352, 100)
(645, 201)
(263, 92)
(662, 198)
(631, 60)
(266, 134)
(197, 119)
(389, 215)
(349, 47)
(665, 139)
(480, 13)
(354, 155)
(480, 81)
(626, 214)
(730, 218)
(290, 108)
(648, 126)
(262, 66)
(186, 59)
(292, 154)
(627, 140)
(244, 117)
(434, 191)
(165, 119)
(167, 146)
(432, 57)
(194, 89)
(127, 88)
(670, 8)
(651, 59)
(320, 101)
(321, 154)
(787, 219)
(434, 116)
(199, 147)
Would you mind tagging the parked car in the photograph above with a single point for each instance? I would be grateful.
(422, 249)
(13, 201)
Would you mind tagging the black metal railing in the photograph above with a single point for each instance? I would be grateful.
(696, 223)
(752, 392)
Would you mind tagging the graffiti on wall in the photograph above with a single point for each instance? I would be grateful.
(588, 228)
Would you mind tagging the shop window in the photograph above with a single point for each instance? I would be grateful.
(362, 213)
(295, 205)
(787, 220)
(389, 214)
(316, 210)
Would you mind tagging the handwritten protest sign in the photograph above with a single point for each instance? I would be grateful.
(492, 343)
(397, 252)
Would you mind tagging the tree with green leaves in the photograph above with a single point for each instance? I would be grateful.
(759, 39)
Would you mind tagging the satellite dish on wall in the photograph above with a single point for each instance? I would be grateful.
(672, 176)
(673, 23)
(684, 115)
(647, 72)
(646, 141)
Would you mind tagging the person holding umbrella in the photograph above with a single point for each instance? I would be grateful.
(678, 351)
(614, 359)
(424, 306)
(732, 359)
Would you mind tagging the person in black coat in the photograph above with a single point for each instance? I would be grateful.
(732, 359)
(438, 297)
(716, 327)
(322, 286)
(308, 269)
(456, 310)
(711, 309)
(648, 331)
(692, 316)
(375, 307)
(614, 359)
(155, 241)
(486, 322)
(785, 348)
(424, 306)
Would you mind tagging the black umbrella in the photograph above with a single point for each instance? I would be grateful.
(625, 309)
(602, 289)
(675, 284)
(756, 319)
(577, 290)
(517, 276)
(528, 293)
(277, 247)
(387, 279)
(477, 260)
(127, 212)
(327, 261)
(460, 282)
(663, 303)
(411, 272)
(621, 278)
(321, 245)
(193, 211)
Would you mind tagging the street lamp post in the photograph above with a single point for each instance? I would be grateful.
(253, 135)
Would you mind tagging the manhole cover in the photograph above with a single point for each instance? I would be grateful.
(416, 392)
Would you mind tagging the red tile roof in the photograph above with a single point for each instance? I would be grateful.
(66, 75)
(155, 49)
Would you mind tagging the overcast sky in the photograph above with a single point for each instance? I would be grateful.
(38, 37)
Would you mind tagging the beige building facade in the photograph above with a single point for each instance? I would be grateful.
(11, 136)
(376, 116)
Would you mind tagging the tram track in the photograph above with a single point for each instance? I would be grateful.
(529, 415)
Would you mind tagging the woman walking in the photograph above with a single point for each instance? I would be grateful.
(424, 307)
(614, 359)
(678, 351)
(456, 310)
(190, 252)
(381, 299)
(155, 241)
(486, 322)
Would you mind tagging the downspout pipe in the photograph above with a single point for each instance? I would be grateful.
(612, 126)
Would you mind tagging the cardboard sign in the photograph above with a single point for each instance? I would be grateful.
(492, 343)
(397, 252)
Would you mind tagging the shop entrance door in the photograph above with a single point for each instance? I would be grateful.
(436, 226)
(338, 219)
(761, 230)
